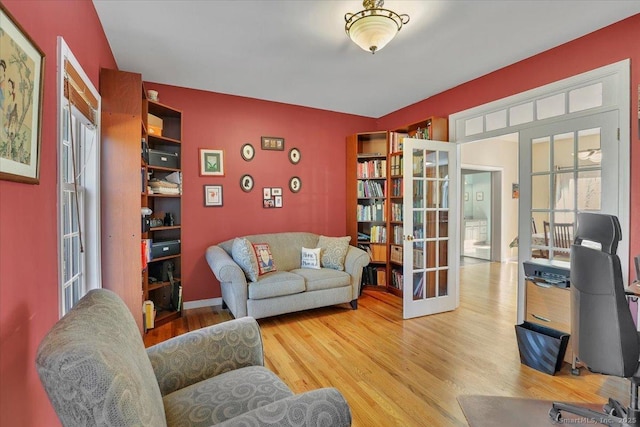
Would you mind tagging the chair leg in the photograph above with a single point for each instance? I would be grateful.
(614, 414)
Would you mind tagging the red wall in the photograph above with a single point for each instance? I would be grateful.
(28, 248)
(603, 47)
(217, 121)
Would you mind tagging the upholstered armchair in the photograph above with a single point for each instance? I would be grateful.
(96, 372)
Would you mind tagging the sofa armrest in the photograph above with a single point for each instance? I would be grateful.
(223, 266)
(205, 353)
(355, 261)
(325, 406)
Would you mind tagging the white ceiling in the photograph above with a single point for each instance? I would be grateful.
(296, 51)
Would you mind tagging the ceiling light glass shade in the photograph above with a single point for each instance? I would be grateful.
(374, 27)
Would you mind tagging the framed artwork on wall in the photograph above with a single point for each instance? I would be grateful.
(22, 76)
(211, 162)
(246, 183)
(247, 152)
(295, 184)
(295, 156)
(213, 195)
(272, 197)
(272, 143)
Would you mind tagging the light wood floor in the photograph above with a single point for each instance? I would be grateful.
(396, 372)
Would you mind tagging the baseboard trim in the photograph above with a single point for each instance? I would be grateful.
(202, 303)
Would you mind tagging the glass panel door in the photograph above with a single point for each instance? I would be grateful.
(571, 168)
(430, 215)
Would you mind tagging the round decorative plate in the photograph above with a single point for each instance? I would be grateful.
(248, 152)
(294, 156)
(295, 184)
(246, 183)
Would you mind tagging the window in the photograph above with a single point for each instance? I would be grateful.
(78, 181)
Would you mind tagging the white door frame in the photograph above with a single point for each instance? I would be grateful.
(480, 123)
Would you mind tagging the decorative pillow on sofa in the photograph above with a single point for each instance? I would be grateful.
(243, 254)
(310, 258)
(334, 251)
(264, 257)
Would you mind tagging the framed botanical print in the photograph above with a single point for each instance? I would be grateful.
(213, 195)
(211, 162)
(21, 89)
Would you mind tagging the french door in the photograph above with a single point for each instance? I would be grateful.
(570, 166)
(430, 212)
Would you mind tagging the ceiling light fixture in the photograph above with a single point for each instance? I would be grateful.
(593, 154)
(374, 27)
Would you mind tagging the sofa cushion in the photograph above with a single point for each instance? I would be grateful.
(334, 251)
(264, 257)
(224, 396)
(243, 254)
(325, 278)
(310, 258)
(276, 284)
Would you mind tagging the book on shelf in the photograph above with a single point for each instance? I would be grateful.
(371, 189)
(378, 234)
(396, 278)
(396, 141)
(148, 314)
(371, 212)
(372, 169)
(396, 165)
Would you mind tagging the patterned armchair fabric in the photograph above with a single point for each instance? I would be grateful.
(96, 371)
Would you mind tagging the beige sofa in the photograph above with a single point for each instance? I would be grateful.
(290, 288)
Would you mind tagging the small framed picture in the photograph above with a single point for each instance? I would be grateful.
(294, 156)
(466, 196)
(246, 183)
(213, 195)
(272, 197)
(479, 196)
(211, 162)
(272, 143)
(295, 184)
(248, 152)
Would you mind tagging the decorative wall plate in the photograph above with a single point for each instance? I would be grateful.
(294, 156)
(248, 152)
(295, 184)
(246, 183)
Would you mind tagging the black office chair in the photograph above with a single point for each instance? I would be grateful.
(604, 335)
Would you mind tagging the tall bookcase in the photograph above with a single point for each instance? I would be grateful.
(161, 279)
(124, 186)
(374, 183)
(367, 205)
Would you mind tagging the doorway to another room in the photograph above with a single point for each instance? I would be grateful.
(489, 220)
(477, 214)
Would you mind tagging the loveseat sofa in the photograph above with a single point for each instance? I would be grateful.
(293, 284)
(96, 372)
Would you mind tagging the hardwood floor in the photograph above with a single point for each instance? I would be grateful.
(396, 372)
